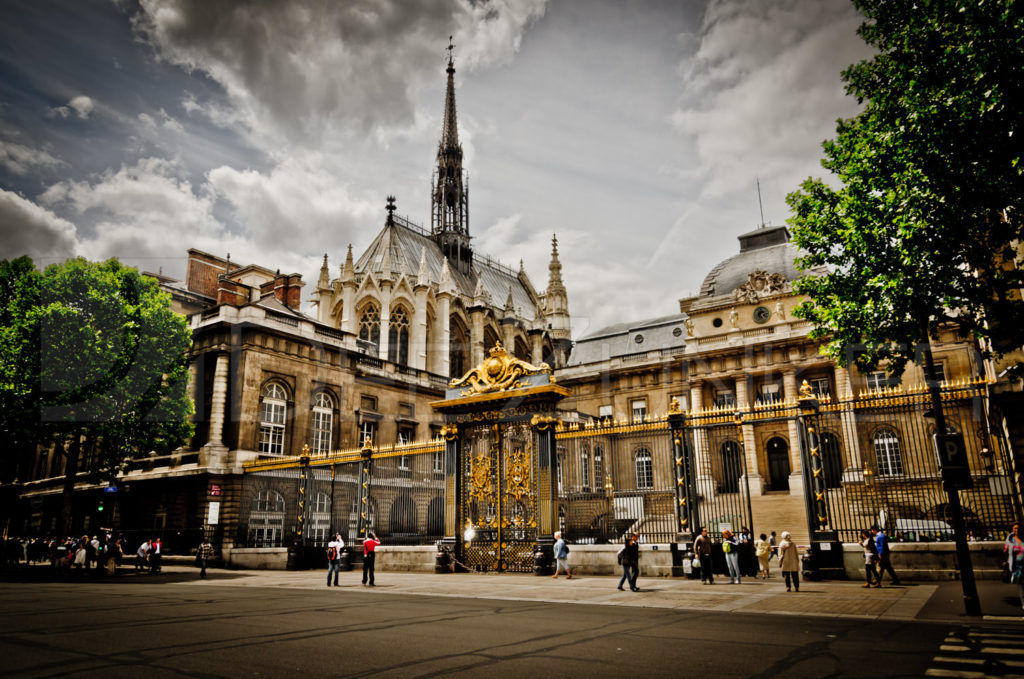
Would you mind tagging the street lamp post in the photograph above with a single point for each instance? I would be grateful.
(823, 538)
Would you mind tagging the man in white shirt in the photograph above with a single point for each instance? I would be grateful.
(142, 556)
(334, 548)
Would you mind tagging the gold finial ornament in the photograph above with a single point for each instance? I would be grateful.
(498, 372)
(673, 406)
(806, 391)
(449, 431)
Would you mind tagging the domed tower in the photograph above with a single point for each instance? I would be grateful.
(449, 215)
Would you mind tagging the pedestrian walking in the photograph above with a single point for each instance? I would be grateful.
(334, 548)
(731, 549)
(629, 557)
(884, 556)
(1014, 547)
(775, 546)
(702, 548)
(561, 556)
(763, 552)
(370, 546)
(203, 556)
(156, 548)
(870, 560)
(789, 562)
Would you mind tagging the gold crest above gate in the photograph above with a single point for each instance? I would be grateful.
(498, 372)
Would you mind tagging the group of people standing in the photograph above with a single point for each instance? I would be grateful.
(334, 549)
(735, 546)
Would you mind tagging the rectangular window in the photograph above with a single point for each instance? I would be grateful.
(725, 399)
(405, 435)
(940, 374)
(585, 470)
(639, 410)
(771, 393)
(403, 462)
(879, 380)
(406, 410)
(680, 399)
(368, 403)
(367, 429)
(821, 386)
(320, 438)
(272, 427)
(439, 463)
(605, 414)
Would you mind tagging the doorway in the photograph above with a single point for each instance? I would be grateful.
(778, 463)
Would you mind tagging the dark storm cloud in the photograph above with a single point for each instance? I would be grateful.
(295, 70)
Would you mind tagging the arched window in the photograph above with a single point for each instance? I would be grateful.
(831, 460)
(731, 467)
(272, 419)
(266, 519)
(598, 467)
(585, 469)
(369, 326)
(323, 420)
(403, 515)
(887, 453)
(435, 517)
(398, 337)
(644, 469)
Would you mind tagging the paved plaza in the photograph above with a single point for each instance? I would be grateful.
(273, 623)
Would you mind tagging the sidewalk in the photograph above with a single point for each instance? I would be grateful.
(912, 601)
(924, 601)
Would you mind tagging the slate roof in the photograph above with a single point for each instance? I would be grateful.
(665, 333)
(404, 242)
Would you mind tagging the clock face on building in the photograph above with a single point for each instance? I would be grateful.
(762, 314)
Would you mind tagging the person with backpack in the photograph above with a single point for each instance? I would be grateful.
(334, 548)
(370, 546)
(561, 556)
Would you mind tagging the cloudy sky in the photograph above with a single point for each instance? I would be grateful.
(635, 130)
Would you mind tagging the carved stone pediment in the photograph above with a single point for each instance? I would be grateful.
(759, 284)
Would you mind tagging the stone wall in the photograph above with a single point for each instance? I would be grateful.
(931, 560)
(256, 558)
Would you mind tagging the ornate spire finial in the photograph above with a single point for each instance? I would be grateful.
(391, 210)
(555, 267)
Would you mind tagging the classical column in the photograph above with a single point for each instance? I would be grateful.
(218, 401)
(854, 467)
(702, 456)
(418, 332)
(753, 480)
(796, 481)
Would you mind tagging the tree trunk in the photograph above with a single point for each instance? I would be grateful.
(70, 475)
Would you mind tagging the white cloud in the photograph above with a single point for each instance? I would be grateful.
(81, 105)
(28, 229)
(293, 71)
(22, 160)
(299, 200)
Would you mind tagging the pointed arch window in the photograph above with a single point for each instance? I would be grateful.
(398, 337)
(272, 419)
(369, 326)
(458, 349)
(323, 423)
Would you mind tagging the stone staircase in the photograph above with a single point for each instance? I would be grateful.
(778, 512)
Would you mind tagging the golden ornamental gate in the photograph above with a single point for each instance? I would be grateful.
(499, 497)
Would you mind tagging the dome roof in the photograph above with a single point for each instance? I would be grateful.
(766, 249)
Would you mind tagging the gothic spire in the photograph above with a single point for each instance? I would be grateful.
(449, 215)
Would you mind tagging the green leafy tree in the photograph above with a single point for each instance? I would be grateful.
(922, 229)
(110, 374)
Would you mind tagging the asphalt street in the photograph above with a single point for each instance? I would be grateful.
(289, 624)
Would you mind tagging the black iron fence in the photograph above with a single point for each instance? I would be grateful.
(307, 500)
